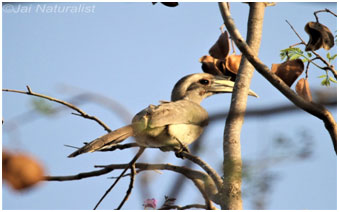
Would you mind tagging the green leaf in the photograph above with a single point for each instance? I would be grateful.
(294, 57)
(328, 55)
(309, 54)
(322, 76)
(332, 80)
(304, 60)
(325, 82)
(333, 57)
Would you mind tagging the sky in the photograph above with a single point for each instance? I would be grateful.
(133, 54)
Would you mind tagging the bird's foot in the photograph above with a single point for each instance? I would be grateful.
(179, 153)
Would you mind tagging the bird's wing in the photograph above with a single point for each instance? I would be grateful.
(113, 137)
(178, 112)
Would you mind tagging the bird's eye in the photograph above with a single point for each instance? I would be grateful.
(204, 81)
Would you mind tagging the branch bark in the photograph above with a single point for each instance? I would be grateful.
(315, 109)
(202, 181)
(209, 170)
(232, 149)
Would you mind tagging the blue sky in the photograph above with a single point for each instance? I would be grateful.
(134, 53)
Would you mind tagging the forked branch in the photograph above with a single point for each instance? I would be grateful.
(315, 109)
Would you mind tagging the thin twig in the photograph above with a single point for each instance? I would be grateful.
(139, 153)
(297, 44)
(130, 187)
(190, 173)
(325, 10)
(302, 41)
(79, 176)
(308, 66)
(328, 66)
(67, 104)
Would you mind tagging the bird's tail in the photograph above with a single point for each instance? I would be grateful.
(113, 137)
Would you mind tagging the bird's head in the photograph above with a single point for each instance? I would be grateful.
(196, 87)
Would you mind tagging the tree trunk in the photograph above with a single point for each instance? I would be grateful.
(232, 165)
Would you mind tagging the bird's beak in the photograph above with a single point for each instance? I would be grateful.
(223, 85)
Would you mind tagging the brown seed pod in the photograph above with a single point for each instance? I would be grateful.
(320, 37)
(21, 171)
(221, 48)
(288, 71)
(211, 65)
(303, 89)
(233, 63)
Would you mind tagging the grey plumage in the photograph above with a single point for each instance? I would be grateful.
(169, 125)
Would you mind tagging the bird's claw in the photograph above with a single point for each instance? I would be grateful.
(179, 153)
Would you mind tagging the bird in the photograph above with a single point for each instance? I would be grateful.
(171, 125)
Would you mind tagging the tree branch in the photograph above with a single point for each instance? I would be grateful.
(232, 149)
(210, 171)
(313, 108)
(325, 10)
(79, 176)
(67, 104)
(202, 181)
(130, 187)
(139, 153)
(208, 203)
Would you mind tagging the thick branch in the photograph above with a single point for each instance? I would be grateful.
(313, 108)
(232, 149)
(210, 171)
(67, 104)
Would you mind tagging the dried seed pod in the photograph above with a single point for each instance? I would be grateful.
(211, 65)
(233, 63)
(20, 171)
(221, 48)
(320, 37)
(303, 89)
(288, 71)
